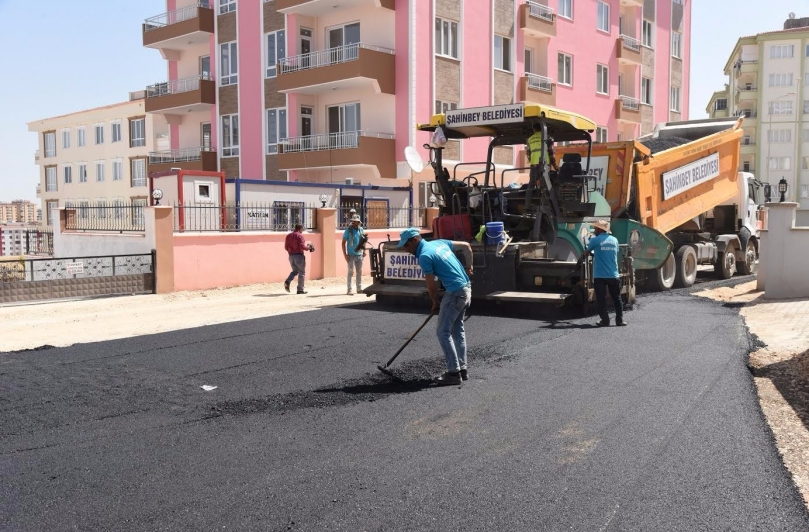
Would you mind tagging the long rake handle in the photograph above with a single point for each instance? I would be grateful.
(389, 362)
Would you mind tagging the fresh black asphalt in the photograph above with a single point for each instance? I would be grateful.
(563, 426)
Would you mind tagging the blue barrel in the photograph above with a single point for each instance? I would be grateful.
(495, 233)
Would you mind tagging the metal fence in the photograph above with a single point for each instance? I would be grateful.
(177, 86)
(38, 242)
(28, 270)
(630, 43)
(329, 141)
(330, 56)
(116, 218)
(173, 17)
(278, 216)
(541, 83)
(385, 217)
(540, 11)
(629, 103)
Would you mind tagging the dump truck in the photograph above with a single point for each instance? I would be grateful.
(682, 180)
(528, 240)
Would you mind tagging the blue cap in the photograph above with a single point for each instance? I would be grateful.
(407, 234)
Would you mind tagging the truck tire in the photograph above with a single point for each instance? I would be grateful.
(686, 260)
(725, 265)
(749, 266)
(662, 279)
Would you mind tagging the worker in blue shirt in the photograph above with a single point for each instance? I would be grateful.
(604, 247)
(437, 260)
(354, 252)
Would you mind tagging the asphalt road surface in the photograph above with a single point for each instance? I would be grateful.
(562, 426)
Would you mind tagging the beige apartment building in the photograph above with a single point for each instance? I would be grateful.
(20, 211)
(97, 157)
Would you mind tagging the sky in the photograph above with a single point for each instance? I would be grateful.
(59, 57)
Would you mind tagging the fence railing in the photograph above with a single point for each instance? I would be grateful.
(51, 269)
(385, 217)
(116, 218)
(178, 156)
(540, 83)
(330, 56)
(173, 17)
(630, 43)
(279, 216)
(177, 86)
(540, 11)
(38, 242)
(329, 141)
(629, 103)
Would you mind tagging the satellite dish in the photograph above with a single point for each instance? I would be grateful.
(792, 16)
(414, 159)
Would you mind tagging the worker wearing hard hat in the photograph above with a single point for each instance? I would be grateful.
(604, 247)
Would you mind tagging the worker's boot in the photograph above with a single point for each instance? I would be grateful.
(448, 379)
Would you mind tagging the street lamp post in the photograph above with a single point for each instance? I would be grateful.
(769, 128)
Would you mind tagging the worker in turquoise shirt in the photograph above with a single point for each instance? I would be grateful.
(437, 260)
(604, 247)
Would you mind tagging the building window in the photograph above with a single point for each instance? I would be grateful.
(67, 172)
(137, 132)
(138, 172)
(529, 60)
(99, 133)
(502, 53)
(65, 138)
(646, 91)
(721, 104)
(602, 79)
(286, 214)
(780, 108)
(49, 140)
(226, 6)
(680, 2)
(781, 80)
(230, 135)
(81, 136)
(566, 8)
(779, 135)
(276, 50)
(100, 171)
(446, 38)
(676, 44)
(116, 131)
(806, 107)
(117, 170)
(779, 163)
(782, 51)
(344, 119)
(443, 107)
(276, 128)
(228, 61)
(601, 134)
(648, 38)
(675, 99)
(82, 172)
(50, 179)
(50, 206)
(603, 20)
(565, 69)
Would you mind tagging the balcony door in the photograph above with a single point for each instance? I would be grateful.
(344, 123)
(339, 40)
(205, 136)
(205, 67)
(306, 47)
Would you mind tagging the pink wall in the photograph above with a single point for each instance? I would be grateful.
(402, 62)
(251, 89)
(476, 69)
(374, 238)
(174, 129)
(662, 79)
(424, 99)
(686, 90)
(214, 110)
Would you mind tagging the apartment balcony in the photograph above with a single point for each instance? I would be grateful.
(720, 113)
(347, 149)
(180, 28)
(537, 20)
(199, 158)
(628, 51)
(746, 67)
(39, 190)
(748, 146)
(318, 8)
(36, 157)
(627, 110)
(537, 89)
(747, 93)
(181, 96)
(750, 117)
(348, 67)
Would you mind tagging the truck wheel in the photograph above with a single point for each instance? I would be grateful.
(662, 279)
(725, 265)
(749, 266)
(686, 260)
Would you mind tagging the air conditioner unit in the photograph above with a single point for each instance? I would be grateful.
(349, 180)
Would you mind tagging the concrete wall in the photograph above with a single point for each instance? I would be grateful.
(94, 244)
(784, 254)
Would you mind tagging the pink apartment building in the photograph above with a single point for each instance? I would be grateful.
(332, 90)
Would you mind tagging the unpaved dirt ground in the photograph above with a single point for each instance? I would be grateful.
(780, 365)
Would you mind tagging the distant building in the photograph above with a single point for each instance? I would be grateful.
(21, 211)
(12, 240)
(96, 157)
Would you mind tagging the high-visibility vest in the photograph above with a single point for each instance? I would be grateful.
(537, 147)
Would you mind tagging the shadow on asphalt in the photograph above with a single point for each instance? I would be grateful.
(384, 386)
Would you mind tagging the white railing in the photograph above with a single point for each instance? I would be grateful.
(630, 43)
(178, 156)
(36, 156)
(331, 56)
(173, 17)
(629, 103)
(747, 89)
(329, 141)
(176, 86)
(540, 83)
(540, 11)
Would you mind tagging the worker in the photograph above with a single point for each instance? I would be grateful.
(437, 260)
(535, 145)
(353, 236)
(295, 245)
(604, 247)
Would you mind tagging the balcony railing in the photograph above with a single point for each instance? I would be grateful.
(183, 155)
(173, 17)
(177, 86)
(278, 216)
(36, 156)
(329, 141)
(331, 56)
(540, 11)
(747, 114)
(629, 103)
(747, 141)
(630, 43)
(540, 83)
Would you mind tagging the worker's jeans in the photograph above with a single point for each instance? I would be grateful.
(355, 263)
(450, 331)
(614, 286)
(298, 264)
